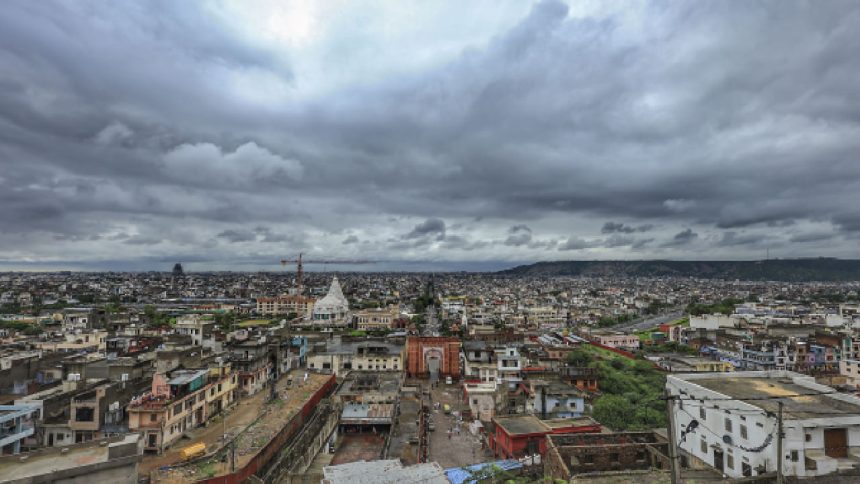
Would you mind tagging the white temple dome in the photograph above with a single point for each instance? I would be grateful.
(333, 306)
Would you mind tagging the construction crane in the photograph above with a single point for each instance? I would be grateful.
(300, 270)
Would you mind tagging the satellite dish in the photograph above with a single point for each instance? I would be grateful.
(727, 439)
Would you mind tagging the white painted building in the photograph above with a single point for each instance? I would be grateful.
(728, 421)
(713, 321)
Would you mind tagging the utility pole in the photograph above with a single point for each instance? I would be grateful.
(779, 477)
(673, 451)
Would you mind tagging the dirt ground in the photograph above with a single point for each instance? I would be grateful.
(460, 449)
(238, 417)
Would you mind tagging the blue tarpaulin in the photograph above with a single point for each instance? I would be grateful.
(462, 475)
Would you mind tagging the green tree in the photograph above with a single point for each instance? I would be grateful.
(579, 357)
(614, 411)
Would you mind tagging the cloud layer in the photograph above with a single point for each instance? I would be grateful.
(230, 134)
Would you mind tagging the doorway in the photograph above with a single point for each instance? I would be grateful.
(718, 460)
(836, 443)
(433, 368)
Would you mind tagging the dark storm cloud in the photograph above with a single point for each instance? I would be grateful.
(519, 235)
(235, 236)
(154, 118)
(352, 239)
(431, 226)
(682, 238)
(732, 238)
(811, 237)
(613, 227)
(576, 243)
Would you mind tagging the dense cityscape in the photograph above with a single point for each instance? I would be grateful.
(445, 377)
(429, 242)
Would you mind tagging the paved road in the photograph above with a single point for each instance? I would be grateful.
(431, 325)
(653, 322)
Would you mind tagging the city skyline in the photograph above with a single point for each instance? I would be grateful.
(431, 136)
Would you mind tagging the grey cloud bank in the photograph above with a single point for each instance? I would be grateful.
(197, 131)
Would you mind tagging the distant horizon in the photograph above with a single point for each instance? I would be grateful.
(424, 266)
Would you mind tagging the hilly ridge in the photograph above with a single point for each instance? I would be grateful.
(790, 270)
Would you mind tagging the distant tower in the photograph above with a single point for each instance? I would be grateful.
(177, 270)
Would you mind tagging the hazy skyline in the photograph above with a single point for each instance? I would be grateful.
(473, 135)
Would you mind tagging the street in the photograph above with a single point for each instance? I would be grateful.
(461, 448)
(652, 322)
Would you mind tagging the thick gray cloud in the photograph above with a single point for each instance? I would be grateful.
(683, 237)
(613, 227)
(225, 131)
(519, 235)
(431, 226)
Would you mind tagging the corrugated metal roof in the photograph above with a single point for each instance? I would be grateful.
(364, 410)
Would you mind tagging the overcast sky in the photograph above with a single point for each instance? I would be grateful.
(477, 134)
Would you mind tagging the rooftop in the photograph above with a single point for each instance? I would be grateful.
(52, 460)
(359, 382)
(384, 472)
(187, 376)
(801, 398)
(367, 413)
(521, 424)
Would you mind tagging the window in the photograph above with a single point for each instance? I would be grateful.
(730, 459)
(702, 414)
(613, 457)
(704, 445)
(795, 456)
(84, 414)
(152, 417)
(728, 425)
(744, 431)
(474, 401)
(587, 459)
(809, 437)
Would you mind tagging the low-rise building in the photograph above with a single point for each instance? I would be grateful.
(694, 364)
(518, 436)
(301, 306)
(16, 424)
(108, 461)
(728, 421)
(571, 454)
(187, 399)
(376, 319)
(850, 369)
(617, 340)
(196, 327)
(483, 399)
(342, 355)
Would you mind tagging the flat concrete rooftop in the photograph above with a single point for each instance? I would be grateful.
(521, 424)
(766, 392)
